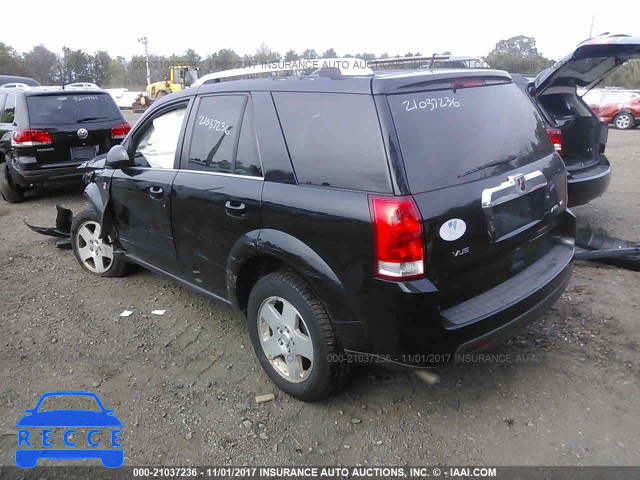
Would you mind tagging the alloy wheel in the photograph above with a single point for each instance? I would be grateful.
(623, 122)
(96, 255)
(285, 339)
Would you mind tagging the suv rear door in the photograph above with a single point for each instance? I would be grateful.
(590, 62)
(484, 176)
(217, 192)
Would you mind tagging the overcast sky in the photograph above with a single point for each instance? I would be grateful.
(397, 26)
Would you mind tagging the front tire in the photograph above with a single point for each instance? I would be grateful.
(10, 192)
(95, 255)
(293, 338)
(624, 121)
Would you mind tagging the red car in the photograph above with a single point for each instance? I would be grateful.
(620, 107)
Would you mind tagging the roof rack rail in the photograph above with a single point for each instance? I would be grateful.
(425, 61)
(19, 86)
(303, 67)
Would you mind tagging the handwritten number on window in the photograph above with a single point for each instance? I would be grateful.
(430, 104)
(213, 124)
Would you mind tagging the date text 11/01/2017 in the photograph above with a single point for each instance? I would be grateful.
(315, 472)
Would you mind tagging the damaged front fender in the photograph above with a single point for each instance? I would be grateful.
(62, 230)
(98, 195)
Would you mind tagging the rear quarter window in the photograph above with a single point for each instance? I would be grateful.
(73, 107)
(3, 98)
(8, 115)
(334, 140)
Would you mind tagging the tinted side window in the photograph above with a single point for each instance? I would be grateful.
(156, 146)
(334, 140)
(248, 158)
(215, 133)
(9, 113)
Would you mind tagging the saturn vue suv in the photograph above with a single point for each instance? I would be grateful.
(397, 218)
(47, 132)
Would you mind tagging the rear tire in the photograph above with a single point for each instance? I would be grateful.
(95, 255)
(624, 121)
(11, 192)
(286, 319)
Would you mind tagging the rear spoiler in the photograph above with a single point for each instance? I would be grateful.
(432, 80)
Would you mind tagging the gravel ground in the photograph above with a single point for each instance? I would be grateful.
(184, 384)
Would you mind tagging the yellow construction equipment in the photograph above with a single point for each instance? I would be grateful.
(180, 77)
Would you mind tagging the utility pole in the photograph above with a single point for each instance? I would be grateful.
(145, 41)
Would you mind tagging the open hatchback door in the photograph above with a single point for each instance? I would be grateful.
(574, 129)
(589, 63)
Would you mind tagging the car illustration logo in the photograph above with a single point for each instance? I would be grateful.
(100, 438)
(83, 133)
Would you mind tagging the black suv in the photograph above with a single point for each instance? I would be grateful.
(47, 132)
(575, 131)
(398, 218)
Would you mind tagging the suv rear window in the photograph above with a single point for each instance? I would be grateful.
(334, 140)
(64, 108)
(445, 134)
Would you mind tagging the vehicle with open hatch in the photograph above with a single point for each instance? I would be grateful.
(575, 130)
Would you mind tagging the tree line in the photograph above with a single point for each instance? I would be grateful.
(516, 55)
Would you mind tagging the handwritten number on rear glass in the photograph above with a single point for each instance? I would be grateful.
(430, 104)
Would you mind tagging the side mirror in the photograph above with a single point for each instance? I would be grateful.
(118, 157)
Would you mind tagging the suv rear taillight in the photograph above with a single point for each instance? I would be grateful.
(120, 131)
(399, 250)
(30, 138)
(555, 136)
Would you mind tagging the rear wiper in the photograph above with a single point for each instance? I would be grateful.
(80, 120)
(502, 161)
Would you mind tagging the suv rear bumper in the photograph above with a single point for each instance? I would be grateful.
(404, 339)
(590, 183)
(27, 171)
(498, 313)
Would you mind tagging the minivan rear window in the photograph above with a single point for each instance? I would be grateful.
(334, 140)
(65, 108)
(444, 134)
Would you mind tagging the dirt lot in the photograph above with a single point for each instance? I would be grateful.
(568, 392)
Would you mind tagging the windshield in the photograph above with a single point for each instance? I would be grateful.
(190, 76)
(71, 108)
(65, 402)
(443, 135)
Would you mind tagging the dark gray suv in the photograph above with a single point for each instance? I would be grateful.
(47, 132)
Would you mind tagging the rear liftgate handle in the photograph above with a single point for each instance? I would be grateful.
(235, 208)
